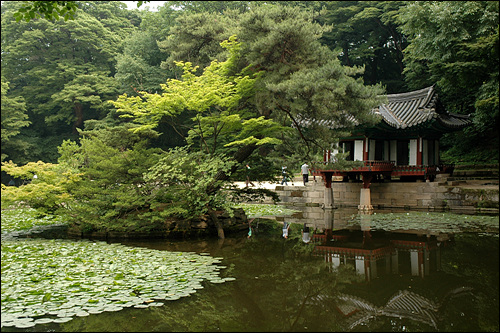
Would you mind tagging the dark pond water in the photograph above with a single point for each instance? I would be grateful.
(349, 277)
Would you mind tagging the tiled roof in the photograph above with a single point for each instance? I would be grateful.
(409, 109)
(416, 107)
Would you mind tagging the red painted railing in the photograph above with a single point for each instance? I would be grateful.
(387, 167)
(353, 252)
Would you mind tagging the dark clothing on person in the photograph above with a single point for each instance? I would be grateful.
(305, 234)
(285, 176)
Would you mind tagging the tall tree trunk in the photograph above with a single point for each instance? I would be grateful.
(241, 155)
(218, 224)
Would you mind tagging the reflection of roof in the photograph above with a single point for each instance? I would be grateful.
(406, 110)
(403, 304)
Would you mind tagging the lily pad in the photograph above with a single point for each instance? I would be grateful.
(62, 320)
(43, 320)
(33, 285)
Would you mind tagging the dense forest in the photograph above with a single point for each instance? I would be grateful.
(115, 108)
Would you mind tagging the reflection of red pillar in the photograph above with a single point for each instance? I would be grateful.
(368, 272)
(367, 237)
(329, 234)
(421, 270)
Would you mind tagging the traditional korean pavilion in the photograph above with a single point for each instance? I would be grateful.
(404, 144)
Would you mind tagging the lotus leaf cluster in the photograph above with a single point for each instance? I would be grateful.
(26, 218)
(259, 210)
(428, 221)
(47, 281)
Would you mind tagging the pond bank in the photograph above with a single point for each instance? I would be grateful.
(171, 229)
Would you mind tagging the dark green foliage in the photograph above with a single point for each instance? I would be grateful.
(112, 194)
(365, 33)
(455, 45)
(14, 117)
(63, 69)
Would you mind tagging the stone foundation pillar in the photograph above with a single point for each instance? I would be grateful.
(328, 216)
(328, 197)
(365, 202)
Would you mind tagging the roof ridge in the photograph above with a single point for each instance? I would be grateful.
(411, 94)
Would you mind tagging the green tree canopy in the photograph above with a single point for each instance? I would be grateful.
(63, 69)
(282, 43)
(455, 44)
(14, 118)
(365, 33)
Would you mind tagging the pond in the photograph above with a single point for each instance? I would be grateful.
(375, 272)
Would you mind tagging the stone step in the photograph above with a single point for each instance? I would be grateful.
(476, 173)
(472, 178)
(440, 176)
(456, 182)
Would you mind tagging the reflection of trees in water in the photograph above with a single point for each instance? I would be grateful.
(279, 286)
(275, 281)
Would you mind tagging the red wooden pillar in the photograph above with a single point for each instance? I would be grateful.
(365, 149)
(367, 179)
(419, 150)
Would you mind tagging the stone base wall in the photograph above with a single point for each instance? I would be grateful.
(435, 195)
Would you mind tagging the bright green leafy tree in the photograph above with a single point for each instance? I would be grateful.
(48, 192)
(219, 127)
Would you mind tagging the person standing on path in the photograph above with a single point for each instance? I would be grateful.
(285, 176)
(305, 173)
(248, 176)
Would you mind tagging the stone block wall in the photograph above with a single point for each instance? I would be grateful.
(414, 195)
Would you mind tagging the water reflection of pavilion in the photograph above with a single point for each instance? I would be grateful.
(374, 253)
(402, 304)
(377, 254)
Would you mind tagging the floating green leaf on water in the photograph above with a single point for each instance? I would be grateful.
(434, 222)
(258, 210)
(56, 280)
(26, 218)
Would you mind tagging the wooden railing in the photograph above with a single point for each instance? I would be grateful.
(385, 167)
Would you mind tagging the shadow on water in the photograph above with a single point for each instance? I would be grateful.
(350, 277)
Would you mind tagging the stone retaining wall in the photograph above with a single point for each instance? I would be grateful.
(435, 195)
